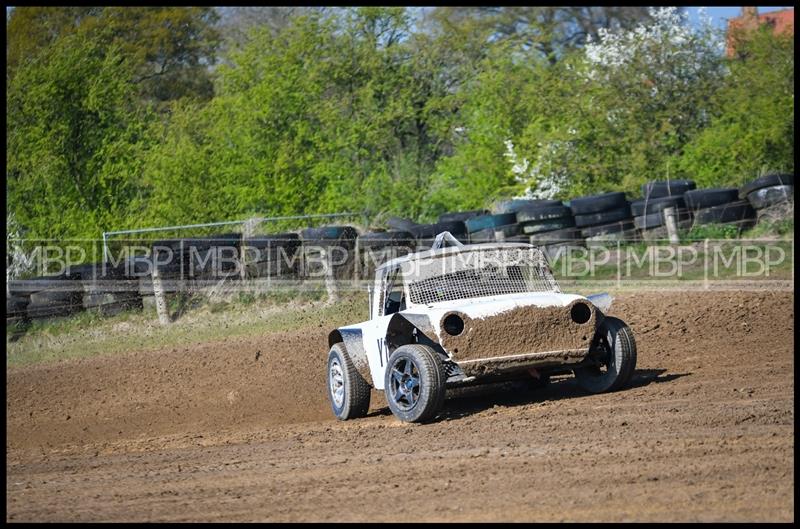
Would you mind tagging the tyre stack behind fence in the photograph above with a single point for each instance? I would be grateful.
(772, 195)
(425, 234)
(492, 227)
(16, 309)
(42, 297)
(273, 256)
(658, 196)
(602, 218)
(109, 290)
(104, 288)
(462, 215)
(548, 224)
(720, 206)
(329, 247)
(213, 258)
(376, 248)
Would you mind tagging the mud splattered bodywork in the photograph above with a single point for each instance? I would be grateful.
(525, 336)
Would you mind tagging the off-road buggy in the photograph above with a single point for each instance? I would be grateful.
(458, 315)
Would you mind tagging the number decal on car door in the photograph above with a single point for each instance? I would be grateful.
(383, 349)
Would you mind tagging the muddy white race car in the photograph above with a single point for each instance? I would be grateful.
(458, 315)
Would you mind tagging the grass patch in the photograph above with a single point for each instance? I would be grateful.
(84, 334)
(702, 232)
(781, 228)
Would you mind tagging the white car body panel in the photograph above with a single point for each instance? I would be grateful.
(373, 331)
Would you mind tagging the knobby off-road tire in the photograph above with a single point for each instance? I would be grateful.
(414, 383)
(347, 389)
(618, 349)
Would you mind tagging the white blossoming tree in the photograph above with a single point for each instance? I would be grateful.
(622, 108)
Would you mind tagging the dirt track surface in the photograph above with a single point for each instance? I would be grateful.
(241, 430)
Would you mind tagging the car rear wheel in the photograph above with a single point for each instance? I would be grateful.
(414, 383)
(614, 358)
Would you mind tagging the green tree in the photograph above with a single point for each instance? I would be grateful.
(32, 29)
(620, 111)
(74, 141)
(753, 126)
(494, 110)
(170, 49)
(548, 31)
(329, 114)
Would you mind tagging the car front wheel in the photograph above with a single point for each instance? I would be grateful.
(414, 383)
(613, 358)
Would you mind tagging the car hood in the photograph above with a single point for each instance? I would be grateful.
(479, 308)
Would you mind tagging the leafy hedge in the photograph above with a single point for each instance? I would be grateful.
(359, 109)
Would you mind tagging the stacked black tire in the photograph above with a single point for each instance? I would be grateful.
(337, 243)
(109, 290)
(648, 212)
(42, 297)
(719, 206)
(17, 309)
(173, 259)
(549, 225)
(769, 194)
(101, 287)
(276, 255)
(376, 248)
(486, 228)
(462, 216)
(604, 216)
(61, 296)
(214, 257)
(425, 234)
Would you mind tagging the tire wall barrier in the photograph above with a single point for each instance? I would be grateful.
(551, 224)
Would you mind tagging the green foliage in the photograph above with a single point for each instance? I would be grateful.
(618, 113)
(362, 109)
(32, 29)
(326, 120)
(712, 231)
(75, 141)
(753, 128)
(168, 49)
(494, 108)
